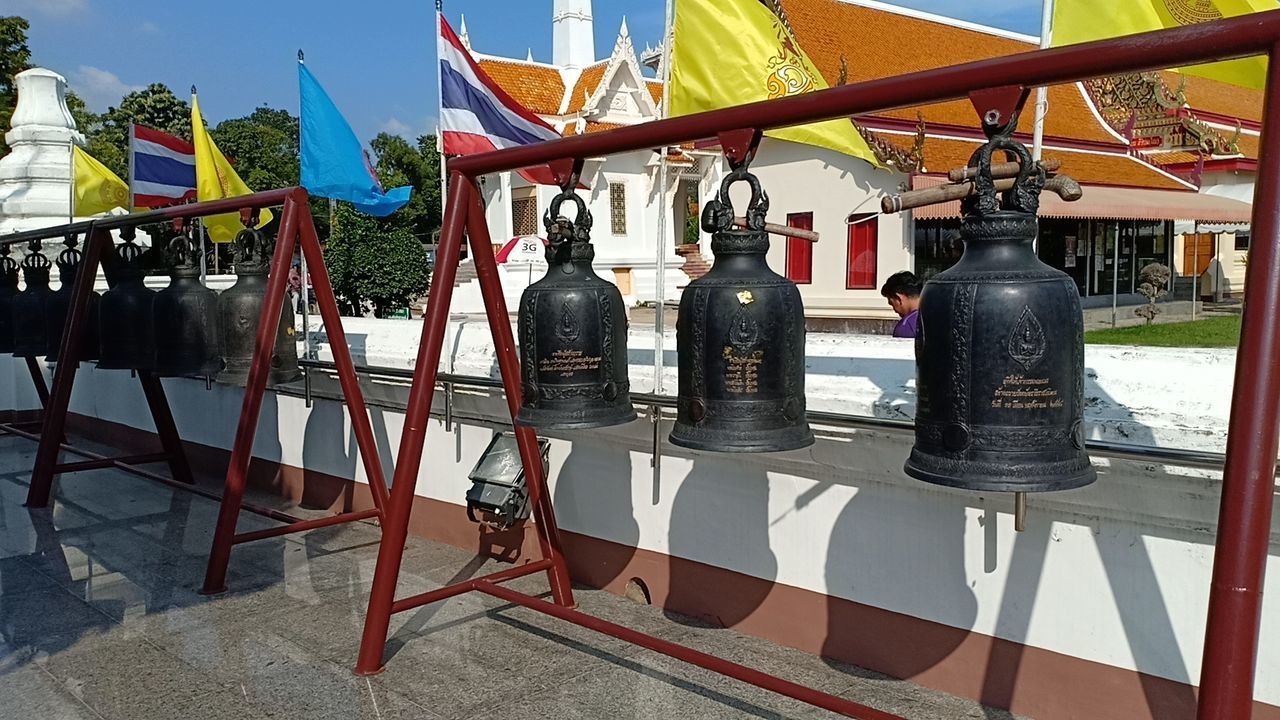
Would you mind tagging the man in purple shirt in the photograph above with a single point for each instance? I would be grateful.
(902, 290)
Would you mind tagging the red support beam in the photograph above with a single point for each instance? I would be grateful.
(1248, 479)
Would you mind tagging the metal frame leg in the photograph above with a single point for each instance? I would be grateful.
(166, 428)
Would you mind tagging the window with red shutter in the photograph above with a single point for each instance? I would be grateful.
(800, 252)
(864, 232)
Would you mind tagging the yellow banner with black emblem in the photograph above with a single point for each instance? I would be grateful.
(1077, 21)
(97, 189)
(732, 52)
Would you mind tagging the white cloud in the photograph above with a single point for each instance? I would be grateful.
(100, 88)
(149, 28)
(396, 126)
(55, 8)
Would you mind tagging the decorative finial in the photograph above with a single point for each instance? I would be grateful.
(300, 58)
(193, 89)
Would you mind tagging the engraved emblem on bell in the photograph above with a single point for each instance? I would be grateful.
(573, 334)
(740, 336)
(239, 311)
(1027, 341)
(1000, 398)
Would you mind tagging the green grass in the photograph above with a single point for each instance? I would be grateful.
(1213, 332)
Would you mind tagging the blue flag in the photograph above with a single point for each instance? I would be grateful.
(334, 165)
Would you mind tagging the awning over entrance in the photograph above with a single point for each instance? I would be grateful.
(1113, 203)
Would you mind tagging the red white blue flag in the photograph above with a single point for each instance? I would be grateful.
(476, 115)
(162, 168)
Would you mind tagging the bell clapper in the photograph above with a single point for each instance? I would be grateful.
(1020, 511)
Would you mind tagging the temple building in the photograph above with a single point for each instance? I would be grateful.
(1160, 156)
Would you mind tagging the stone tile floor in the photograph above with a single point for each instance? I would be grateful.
(100, 618)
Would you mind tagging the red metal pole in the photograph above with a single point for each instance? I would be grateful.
(1248, 479)
(495, 307)
(55, 415)
(342, 359)
(395, 522)
(215, 579)
(37, 379)
(166, 428)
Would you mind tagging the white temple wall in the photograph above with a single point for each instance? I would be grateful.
(1117, 573)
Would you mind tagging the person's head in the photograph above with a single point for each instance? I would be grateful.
(902, 290)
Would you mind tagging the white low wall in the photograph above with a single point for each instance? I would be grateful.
(1117, 573)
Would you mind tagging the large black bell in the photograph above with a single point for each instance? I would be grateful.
(740, 336)
(1000, 356)
(8, 291)
(58, 309)
(573, 335)
(29, 305)
(239, 309)
(186, 317)
(127, 321)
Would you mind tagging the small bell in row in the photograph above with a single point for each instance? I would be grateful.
(740, 336)
(29, 326)
(127, 322)
(8, 291)
(1000, 355)
(186, 317)
(573, 334)
(240, 308)
(58, 307)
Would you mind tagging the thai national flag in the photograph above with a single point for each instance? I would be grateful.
(476, 115)
(162, 168)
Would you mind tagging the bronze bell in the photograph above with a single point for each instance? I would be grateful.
(58, 308)
(28, 305)
(186, 317)
(740, 336)
(8, 291)
(240, 307)
(1000, 355)
(573, 334)
(127, 322)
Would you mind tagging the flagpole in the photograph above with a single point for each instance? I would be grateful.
(1042, 92)
(444, 178)
(131, 193)
(660, 292)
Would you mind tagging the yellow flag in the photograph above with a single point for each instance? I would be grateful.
(97, 189)
(1077, 21)
(215, 180)
(730, 52)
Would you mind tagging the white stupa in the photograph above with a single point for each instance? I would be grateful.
(35, 177)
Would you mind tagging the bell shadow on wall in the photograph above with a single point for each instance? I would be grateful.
(592, 495)
(324, 447)
(704, 532)
(1131, 576)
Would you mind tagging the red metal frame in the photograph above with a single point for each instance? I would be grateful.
(1248, 482)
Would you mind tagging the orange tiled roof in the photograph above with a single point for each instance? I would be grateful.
(586, 86)
(1218, 97)
(1249, 144)
(874, 44)
(591, 126)
(537, 87)
(655, 91)
(941, 155)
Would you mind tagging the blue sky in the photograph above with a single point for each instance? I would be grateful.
(376, 58)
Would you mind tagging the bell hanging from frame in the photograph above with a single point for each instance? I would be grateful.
(8, 291)
(186, 317)
(239, 309)
(1000, 354)
(573, 334)
(127, 319)
(740, 336)
(58, 307)
(29, 330)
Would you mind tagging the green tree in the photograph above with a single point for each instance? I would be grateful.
(399, 163)
(264, 147)
(374, 264)
(15, 57)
